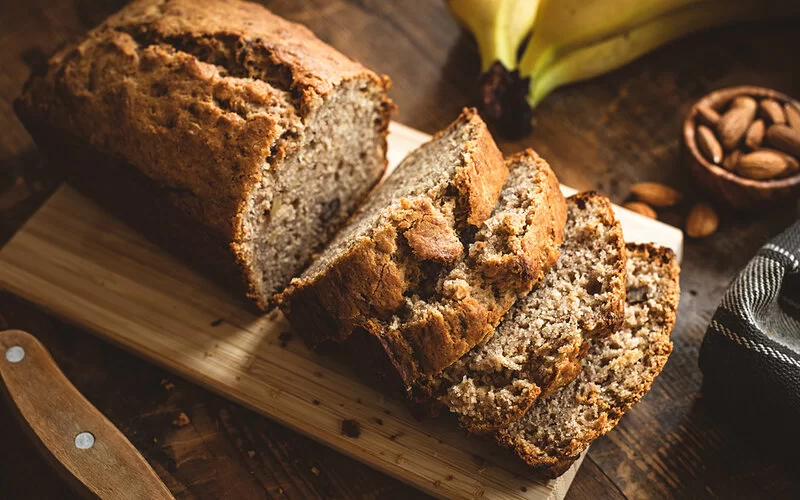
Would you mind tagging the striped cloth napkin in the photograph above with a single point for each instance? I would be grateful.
(750, 356)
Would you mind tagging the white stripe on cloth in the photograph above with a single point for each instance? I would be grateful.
(753, 346)
(784, 252)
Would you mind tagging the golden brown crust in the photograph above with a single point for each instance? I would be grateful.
(510, 266)
(529, 253)
(481, 179)
(548, 366)
(470, 297)
(240, 82)
(368, 282)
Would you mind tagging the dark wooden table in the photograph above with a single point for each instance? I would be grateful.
(604, 135)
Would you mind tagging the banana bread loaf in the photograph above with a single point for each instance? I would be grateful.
(617, 372)
(539, 345)
(422, 273)
(235, 138)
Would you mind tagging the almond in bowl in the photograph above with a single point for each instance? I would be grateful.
(743, 144)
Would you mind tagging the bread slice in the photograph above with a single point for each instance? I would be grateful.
(420, 270)
(539, 345)
(236, 139)
(618, 370)
(510, 254)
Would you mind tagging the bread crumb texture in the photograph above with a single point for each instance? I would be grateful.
(617, 371)
(539, 344)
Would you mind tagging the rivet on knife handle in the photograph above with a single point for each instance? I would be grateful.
(87, 449)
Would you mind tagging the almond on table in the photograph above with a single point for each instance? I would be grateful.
(656, 194)
(702, 220)
(641, 209)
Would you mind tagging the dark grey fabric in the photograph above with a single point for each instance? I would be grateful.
(750, 356)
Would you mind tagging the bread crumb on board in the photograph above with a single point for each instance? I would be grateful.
(351, 428)
(182, 420)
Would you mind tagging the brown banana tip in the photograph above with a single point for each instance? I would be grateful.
(503, 101)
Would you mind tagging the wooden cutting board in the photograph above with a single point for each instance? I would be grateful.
(80, 263)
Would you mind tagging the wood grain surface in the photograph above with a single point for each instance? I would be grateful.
(77, 261)
(56, 416)
(605, 134)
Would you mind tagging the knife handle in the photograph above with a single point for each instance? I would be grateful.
(84, 446)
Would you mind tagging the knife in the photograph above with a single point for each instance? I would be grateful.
(94, 457)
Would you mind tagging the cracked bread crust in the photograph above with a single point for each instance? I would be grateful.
(203, 103)
(618, 370)
(511, 253)
(539, 345)
(424, 314)
(365, 284)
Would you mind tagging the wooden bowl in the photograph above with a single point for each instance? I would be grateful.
(727, 187)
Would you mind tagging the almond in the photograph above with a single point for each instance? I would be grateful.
(709, 145)
(708, 115)
(641, 209)
(784, 138)
(656, 194)
(792, 115)
(754, 135)
(793, 163)
(730, 161)
(733, 124)
(762, 164)
(702, 220)
(744, 101)
(771, 111)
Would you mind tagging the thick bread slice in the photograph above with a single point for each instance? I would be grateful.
(417, 270)
(234, 138)
(418, 215)
(539, 345)
(618, 370)
(510, 254)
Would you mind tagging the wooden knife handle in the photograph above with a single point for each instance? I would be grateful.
(91, 454)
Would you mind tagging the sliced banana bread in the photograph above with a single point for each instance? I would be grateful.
(236, 139)
(420, 270)
(617, 371)
(539, 344)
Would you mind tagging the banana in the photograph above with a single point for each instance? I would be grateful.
(499, 27)
(575, 40)
(589, 61)
(566, 24)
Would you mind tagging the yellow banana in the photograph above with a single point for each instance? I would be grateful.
(563, 25)
(589, 61)
(499, 27)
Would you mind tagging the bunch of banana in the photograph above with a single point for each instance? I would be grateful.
(575, 40)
